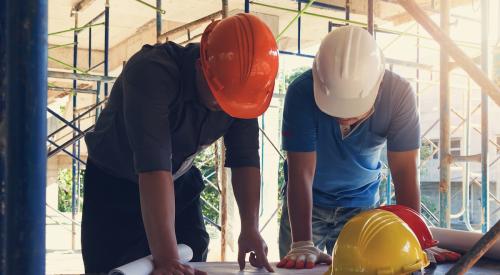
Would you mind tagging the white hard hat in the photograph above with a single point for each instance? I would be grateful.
(347, 72)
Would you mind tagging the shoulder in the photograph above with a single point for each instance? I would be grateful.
(301, 88)
(395, 92)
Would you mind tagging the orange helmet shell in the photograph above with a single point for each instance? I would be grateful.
(239, 59)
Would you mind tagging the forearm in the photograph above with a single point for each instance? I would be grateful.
(299, 194)
(404, 171)
(246, 186)
(158, 214)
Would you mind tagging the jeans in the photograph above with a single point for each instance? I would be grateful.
(112, 229)
(326, 226)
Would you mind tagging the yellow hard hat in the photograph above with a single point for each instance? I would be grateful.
(377, 242)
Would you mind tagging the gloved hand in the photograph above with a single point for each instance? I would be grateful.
(442, 255)
(304, 255)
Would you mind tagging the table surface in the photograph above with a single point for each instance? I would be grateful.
(228, 268)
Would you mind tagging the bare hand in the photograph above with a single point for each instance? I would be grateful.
(251, 241)
(175, 267)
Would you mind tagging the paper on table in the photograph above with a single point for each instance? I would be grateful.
(462, 241)
(144, 266)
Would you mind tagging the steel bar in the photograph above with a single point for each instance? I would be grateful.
(77, 29)
(212, 223)
(299, 25)
(60, 46)
(467, 158)
(83, 77)
(453, 50)
(71, 90)
(26, 161)
(69, 142)
(247, 6)
(347, 10)
(63, 215)
(158, 20)
(75, 151)
(106, 46)
(3, 114)
(78, 117)
(444, 132)
(485, 189)
(280, 35)
(159, 10)
(68, 152)
(190, 25)
(272, 143)
(477, 251)
(93, 67)
(370, 17)
(63, 120)
(68, 66)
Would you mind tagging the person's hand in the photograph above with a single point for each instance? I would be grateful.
(175, 267)
(442, 255)
(304, 255)
(251, 241)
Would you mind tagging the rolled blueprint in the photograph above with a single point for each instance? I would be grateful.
(462, 241)
(144, 266)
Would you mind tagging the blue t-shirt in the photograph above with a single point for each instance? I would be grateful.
(348, 170)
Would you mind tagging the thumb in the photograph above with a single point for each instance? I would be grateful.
(324, 259)
(241, 259)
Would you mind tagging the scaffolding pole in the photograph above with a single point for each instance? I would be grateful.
(3, 90)
(444, 133)
(26, 71)
(106, 46)
(75, 148)
(158, 21)
(485, 184)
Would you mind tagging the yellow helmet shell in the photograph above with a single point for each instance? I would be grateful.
(377, 242)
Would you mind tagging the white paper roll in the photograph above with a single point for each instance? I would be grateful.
(462, 241)
(144, 266)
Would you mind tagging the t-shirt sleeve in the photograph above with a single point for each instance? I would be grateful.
(242, 144)
(404, 129)
(148, 89)
(299, 123)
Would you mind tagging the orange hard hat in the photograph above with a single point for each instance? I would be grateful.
(239, 59)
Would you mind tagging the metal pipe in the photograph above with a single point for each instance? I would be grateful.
(370, 17)
(485, 188)
(83, 77)
(477, 251)
(97, 102)
(247, 6)
(67, 152)
(452, 49)
(60, 46)
(106, 45)
(3, 113)
(280, 35)
(158, 20)
(77, 118)
(77, 29)
(151, 6)
(69, 142)
(444, 133)
(74, 167)
(299, 25)
(26, 133)
(466, 179)
(347, 11)
(90, 50)
(63, 120)
(97, 17)
(68, 66)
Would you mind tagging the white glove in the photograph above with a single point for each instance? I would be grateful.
(304, 255)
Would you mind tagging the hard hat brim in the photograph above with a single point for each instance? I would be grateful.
(243, 110)
(334, 106)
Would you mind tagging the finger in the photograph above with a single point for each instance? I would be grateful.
(324, 259)
(262, 259)
(311, 261)
(282, 263)
(301, 261)
(241, 259)
(188, 270)
(177, 272)
(254, 261)
(290, 263)
(452, 256)
(199, 272)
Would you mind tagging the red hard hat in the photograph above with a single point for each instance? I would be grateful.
(239, 58)
(415, 222)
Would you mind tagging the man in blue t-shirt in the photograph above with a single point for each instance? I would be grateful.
(337, 119)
